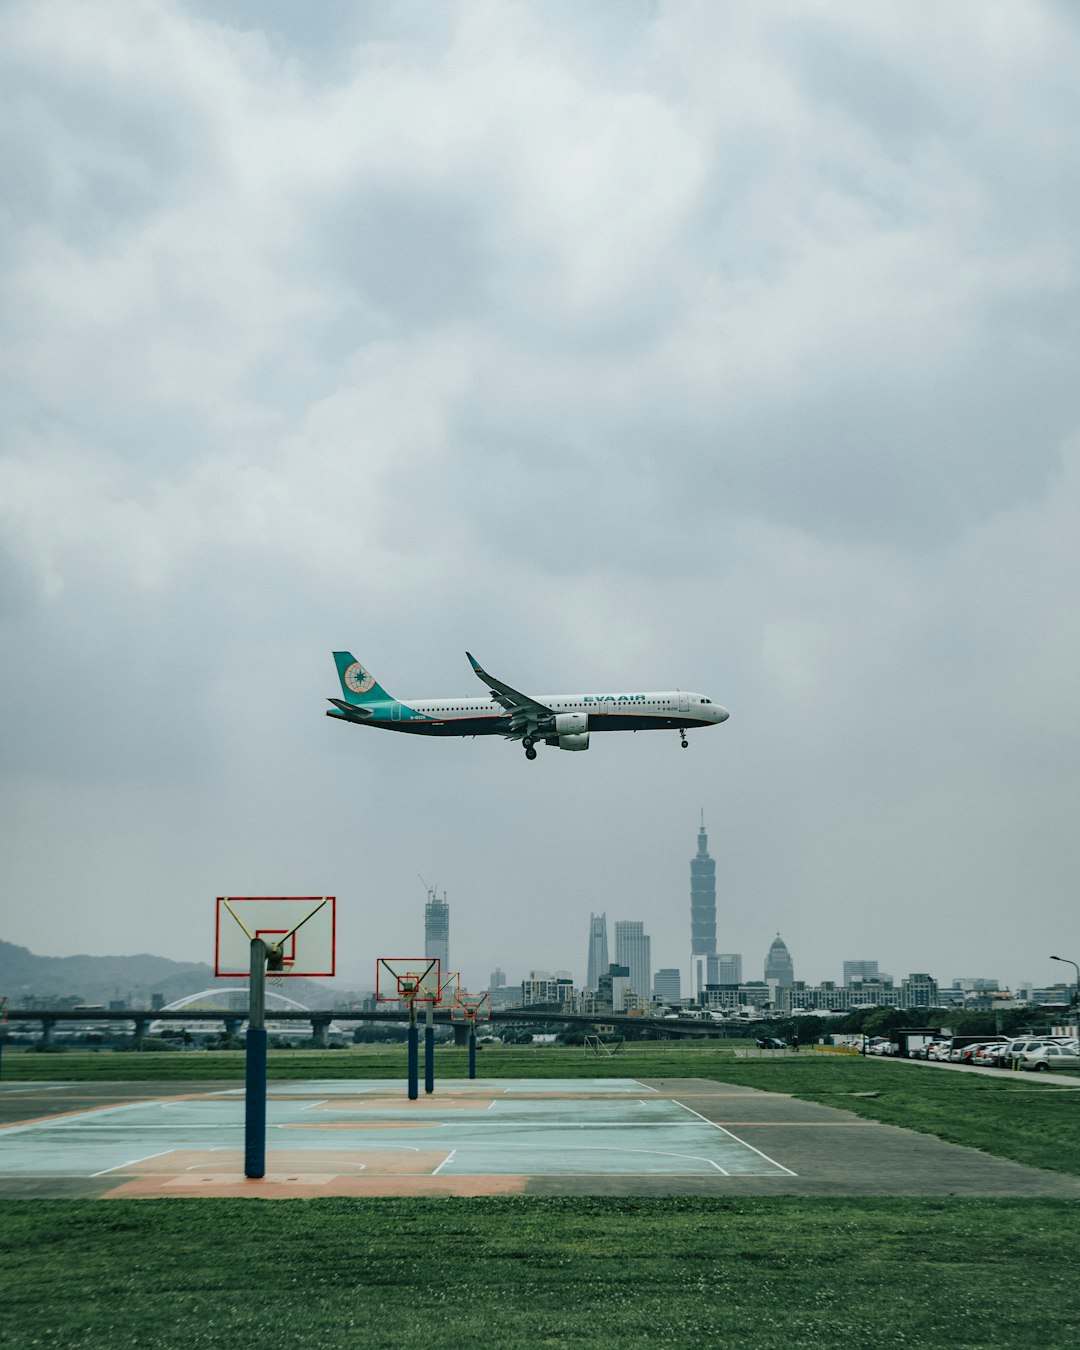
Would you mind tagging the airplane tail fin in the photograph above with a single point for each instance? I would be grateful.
(358, 685)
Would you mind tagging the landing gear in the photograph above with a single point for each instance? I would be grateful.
(684, 742)
(530, 753)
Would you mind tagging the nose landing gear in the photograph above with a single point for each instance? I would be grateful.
(684, 742)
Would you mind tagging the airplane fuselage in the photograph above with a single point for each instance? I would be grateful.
(563, 720)
(653, 711)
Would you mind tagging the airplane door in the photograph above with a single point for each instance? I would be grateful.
(395, 712)
(684, 703)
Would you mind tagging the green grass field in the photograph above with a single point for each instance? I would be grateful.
(756, 1273)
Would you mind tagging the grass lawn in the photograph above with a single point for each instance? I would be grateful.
(756, 1274)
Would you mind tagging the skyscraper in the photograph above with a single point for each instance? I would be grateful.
(633, 950)
(726, 968)
(667, 984)
(860, 970)
(598, 950)
(702, 909)
(778, 964)
(437, 929)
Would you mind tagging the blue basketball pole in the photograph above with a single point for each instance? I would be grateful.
(255, 1067)
(429, 1050)
(472, 1050)
(414, 1053)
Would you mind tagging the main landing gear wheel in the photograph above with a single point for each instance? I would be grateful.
(530, 753)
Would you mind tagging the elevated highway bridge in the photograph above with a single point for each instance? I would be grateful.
(232, 1019)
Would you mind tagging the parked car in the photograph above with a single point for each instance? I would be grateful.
(1052, 1057)
(771, 1043)
(1023, 1045)
(987, 1055)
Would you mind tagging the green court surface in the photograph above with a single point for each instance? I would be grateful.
(482, 1137)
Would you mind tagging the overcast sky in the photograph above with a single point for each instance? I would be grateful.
(628, 345)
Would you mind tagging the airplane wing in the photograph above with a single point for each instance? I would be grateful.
(525, 712)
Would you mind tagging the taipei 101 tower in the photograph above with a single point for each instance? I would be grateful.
(702, 912)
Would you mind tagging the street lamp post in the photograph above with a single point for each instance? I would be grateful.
(1075, 967)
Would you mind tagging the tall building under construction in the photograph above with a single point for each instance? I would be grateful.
(437, 929)
(702, 912)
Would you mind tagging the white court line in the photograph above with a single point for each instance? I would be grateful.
(444, 1162)
(600, 1148)
(743, 1142)
(72, 1121)
(311, 1105)
(612, 1152)
(131, 1163)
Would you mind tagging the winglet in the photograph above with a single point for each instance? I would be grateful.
(511, 699)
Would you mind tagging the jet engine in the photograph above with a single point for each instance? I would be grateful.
(572, 731)
(574, 742)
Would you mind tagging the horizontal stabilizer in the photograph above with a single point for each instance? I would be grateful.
(354, 713)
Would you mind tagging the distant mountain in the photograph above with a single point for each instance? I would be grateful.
(131, 979)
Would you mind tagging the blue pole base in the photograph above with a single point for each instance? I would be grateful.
(414, 1062)
(255, 1103)
(429, 1059)
(472, 1054)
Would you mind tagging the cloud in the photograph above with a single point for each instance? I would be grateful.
(722, 347)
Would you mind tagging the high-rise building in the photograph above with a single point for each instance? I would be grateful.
(546, 987)
(497, 979)
(778, 964)
(667, 984)
(633, 950)
(612, 987)
(919, 990)
(598, 950)
(860, 970)
(437, 929)
(725, 968)
(702, 909)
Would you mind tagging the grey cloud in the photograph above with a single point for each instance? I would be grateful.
(703, 346)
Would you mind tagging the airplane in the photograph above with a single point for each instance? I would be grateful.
(563, 720)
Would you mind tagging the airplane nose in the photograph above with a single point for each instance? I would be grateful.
(722, 714)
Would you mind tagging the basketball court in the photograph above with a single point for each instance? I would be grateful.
(605, 1136)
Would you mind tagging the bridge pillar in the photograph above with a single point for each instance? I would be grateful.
(461, 1034)
(319, 1026)
(48, 1026)
(232, 1026)
(140, 1028)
